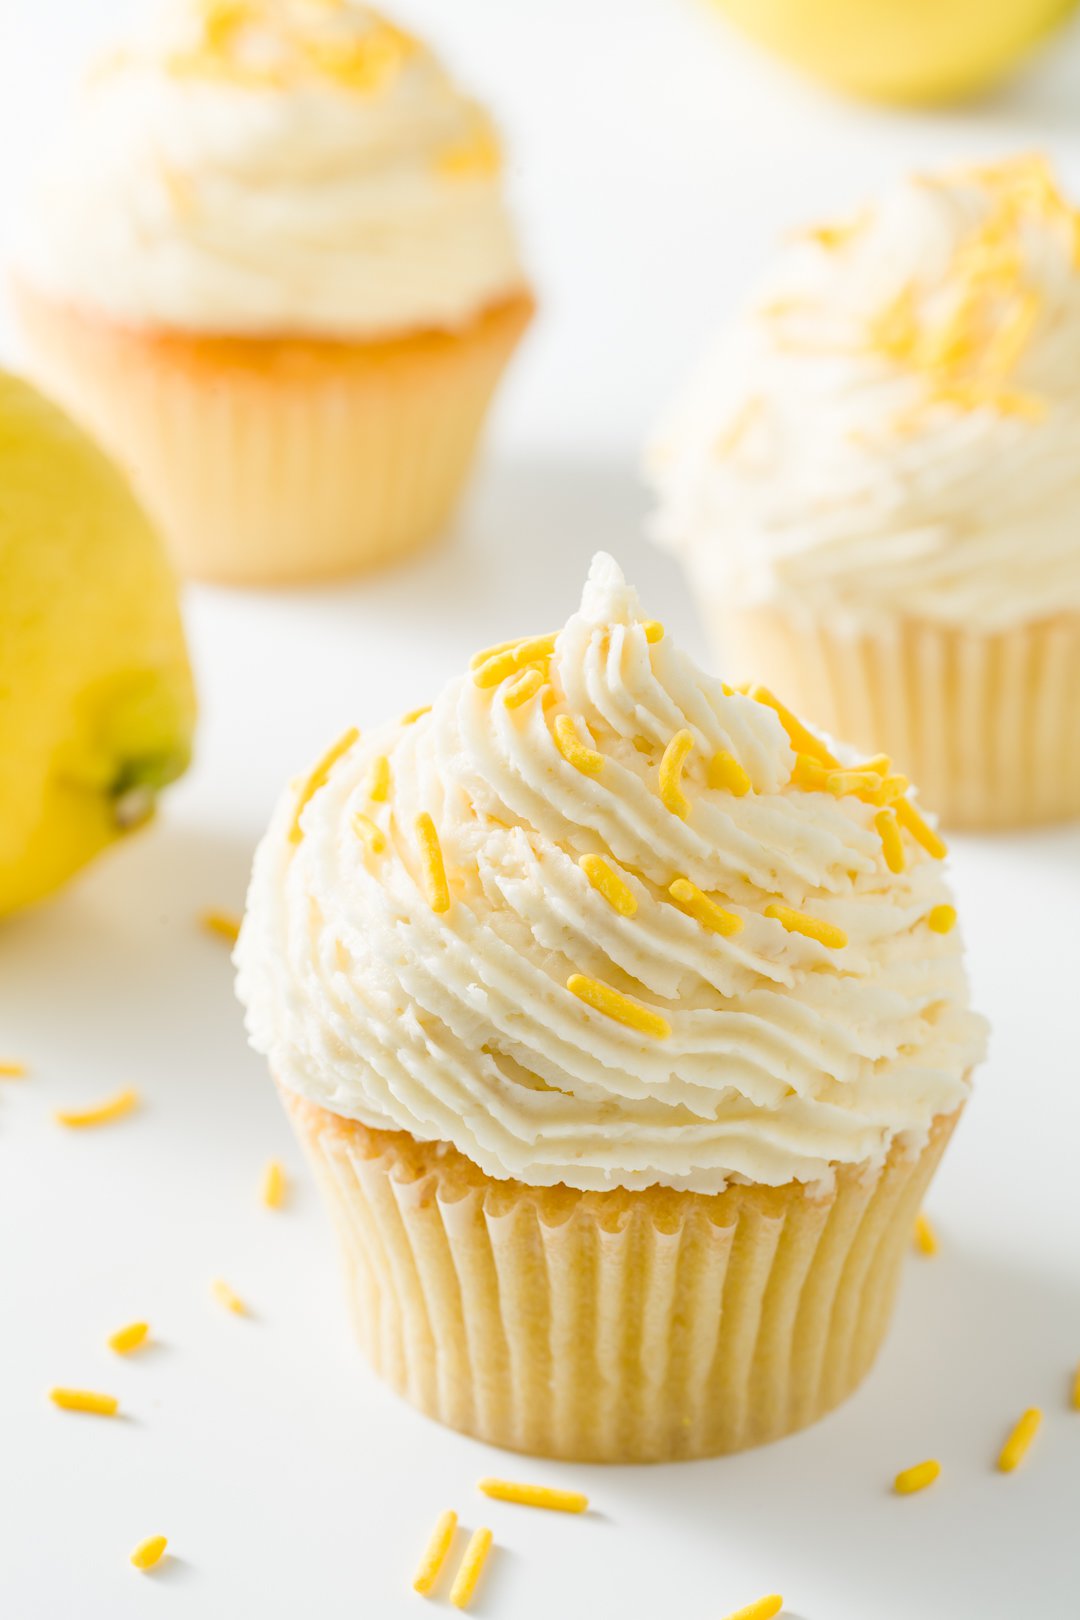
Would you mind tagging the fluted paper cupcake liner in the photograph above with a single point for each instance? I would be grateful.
(268, 460)
(612, 1327)
(987, 726)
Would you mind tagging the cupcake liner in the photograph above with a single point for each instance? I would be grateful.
(267, 460)
(987, 726)
(612, 1327)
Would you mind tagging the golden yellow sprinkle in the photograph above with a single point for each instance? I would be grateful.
(470, 1568)
(942, 919)
(573, 750)
(414, 715)
(225, 1296)
(318, 778)
(803, 741)
(128, 1338)
(1076, 1391)
(797, 922)
(926, 1239)
(225, 924)
(702, 909)
(275, 1185)
(379, 780)
(434, 1555)
(880, 764)
(892, 845)
(12, 1071)
(373, 836)
(654, 631)
(843, 782)
(909, 1480)
(809, 774)
(1016, 1446)
(541, 1496)
(607, 882)
(487, 653)
(432, 870)
(525, 686)
(477, 156)
(149, 1552)
(511, 658)
(920, 830)
(671, 769)
(84, 1400)
(725, 772)
(101, 1113)
(613, 1004)
(892, 788)
(764, 1609)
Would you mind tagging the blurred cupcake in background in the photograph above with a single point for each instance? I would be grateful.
(875, 479)
(270, 264)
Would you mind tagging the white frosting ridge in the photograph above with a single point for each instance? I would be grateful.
(785, 1057)
(284, 167)
(892, 427)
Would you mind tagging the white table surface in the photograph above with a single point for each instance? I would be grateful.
(654, 159)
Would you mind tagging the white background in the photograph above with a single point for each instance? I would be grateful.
(654, 158)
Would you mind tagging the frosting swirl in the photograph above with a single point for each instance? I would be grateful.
(891, 428)
(591, 966)
(281, 167)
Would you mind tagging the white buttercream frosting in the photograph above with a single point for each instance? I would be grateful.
(785, 1057)
(273, 167)
(893, 427)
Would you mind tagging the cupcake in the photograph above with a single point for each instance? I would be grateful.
(624, 1026)
(270, 265)
(874, 484)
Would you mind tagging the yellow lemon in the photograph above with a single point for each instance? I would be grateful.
(96, 699)
(901, 50)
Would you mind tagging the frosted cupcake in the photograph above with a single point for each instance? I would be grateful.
(875, 482)
(624, 1030)
(269, 263)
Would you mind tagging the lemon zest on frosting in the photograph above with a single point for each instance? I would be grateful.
(379, 780)
(926, 1239)
(573, 750)
(274, 1185)
(523, 687)
(470, 1568)
(725, 772)
(702, 909)
(607, 882)
(318, 778)
(917, 1478)
(764, 1609)
(104, 1113)
(892, 844)
(149, 1552)
(921, 830)
(434, 1555)
(225, 924)
(802, 740)
(432, 867)
(226, 1296)
(613, 1004)
(1017, 1445)
(671, 769)
(365, 829)
(84, 1400)
(128, 1338)
(941, 919)
(541, 1496)
(797, 922)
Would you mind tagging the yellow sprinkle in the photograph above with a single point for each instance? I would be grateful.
(797, 922)
(487, 653)
(920, 830)
(225, 1296)
(942, 919)
(809, 774)
(541, 1496)
(275, 1185)
(128, 1338)
(478, 155)
(1015, 1448)
(373, 836)
(643, 745)
(671, 769)
(880, 764)
(511, 658)
(842, 782)
(12, 1071)
(615, 1005)
(1076, 1391)
(318, 778)
(433, 871)
(654, 631)
(526, 685)
(764, 1609)
(573, 750)
(101, 1114)
(892, 845)
(379, 780)
(434, 1555)
(607, 882)
(222, 923)
(149, 1552)
(704, 910)
(414, 715)
(926, 1239)
(892, 788)
(470, 1568)
(803, 741)
(84, 1400)
(725, 772)
(909, 1480)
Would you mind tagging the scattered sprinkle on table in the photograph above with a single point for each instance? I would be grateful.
(275, 1184)
(84, 1400)
(1016, 1446)
(763, 1609)
(910, 1480)
(12, 1071)
(103, 1113)
(225, 924)
(149, 1552)
(470, 1568)
(435, 1552)
(225, 1296)
(128, 1338)
(926, 1240)
(540, 1496)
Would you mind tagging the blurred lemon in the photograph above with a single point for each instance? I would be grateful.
(901, 50)
(96, 699)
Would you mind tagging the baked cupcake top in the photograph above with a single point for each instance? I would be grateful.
(274, 167)
(596, 919)
(892, 428)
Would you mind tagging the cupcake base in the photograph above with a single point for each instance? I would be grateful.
(612, 1327)
(272, 460)
(988, 726)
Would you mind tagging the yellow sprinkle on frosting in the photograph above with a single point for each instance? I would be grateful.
(500, 662)
(319, 778)
(84, 1400)
(892, 845)
(414, 715)
(540, 1496)
(942, 919)
(725, 772)
(225, 924)
(606, 881)
(476, 157)
(797, 922)
(802, 740)
(764, 1609)
(128, 1338)
(523, 687)
(920, 830)
(671, 768)
(573, 750)
(104, 1113)
(432, 869)
(1017, 1445)
(274, 1187)
(702, 909)
(434, 1554)
(654, 631)
(371, 835)
(149, 1552)
(379, 780)
(471, 1568)
(917, 1478)
(226, 1296)
(613, 1004)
